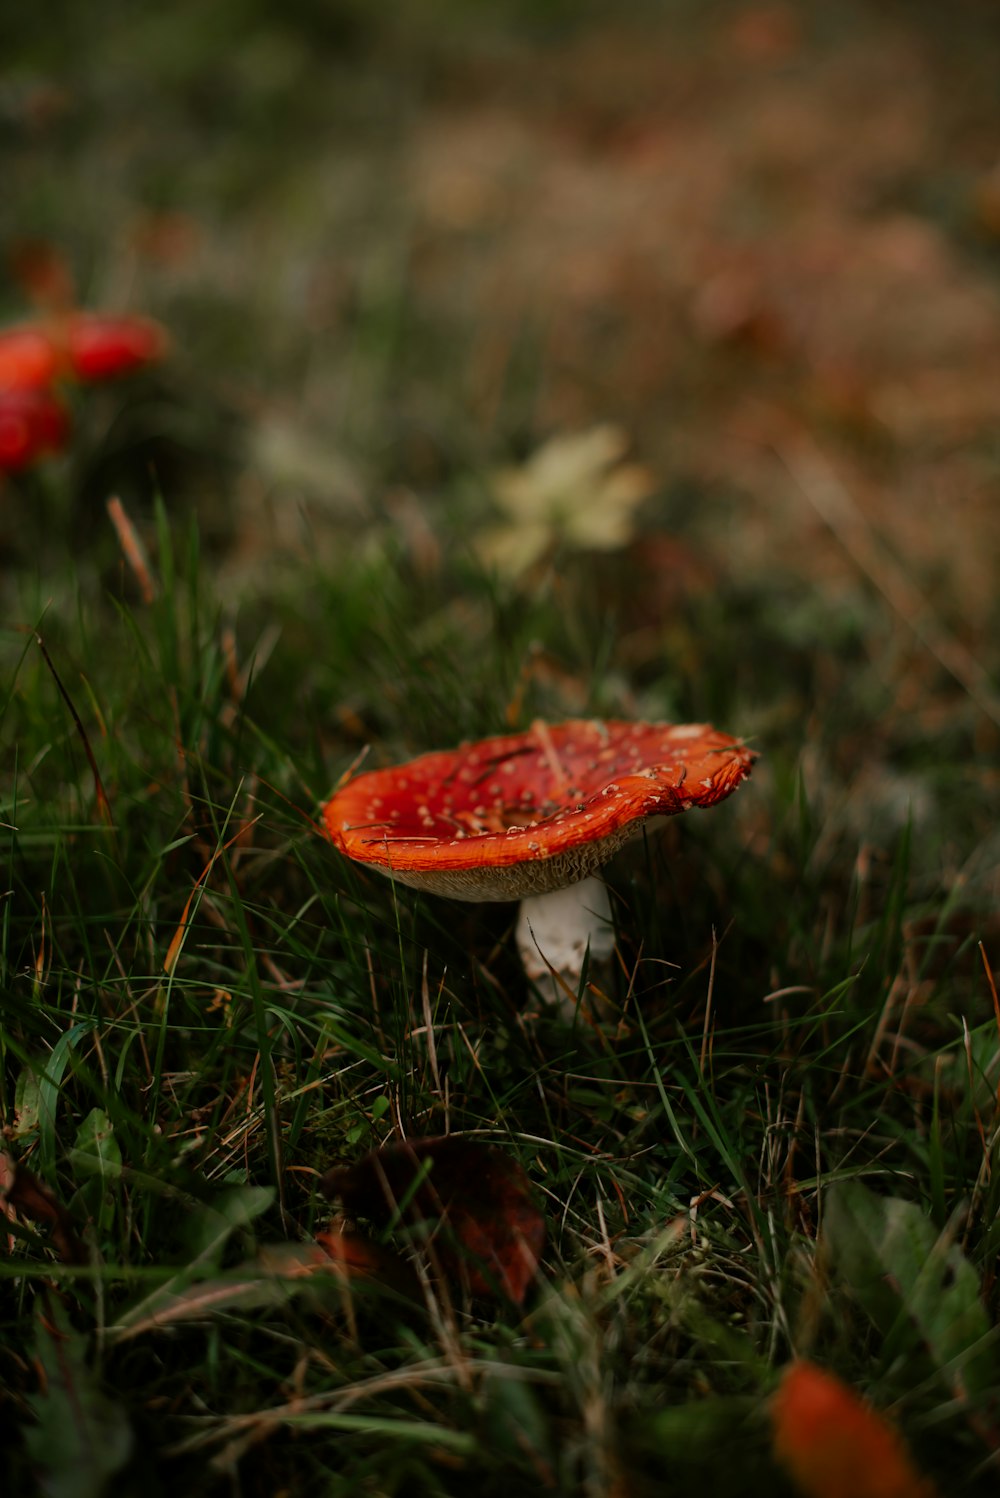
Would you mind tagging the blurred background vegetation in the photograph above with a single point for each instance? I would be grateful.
(397, 250)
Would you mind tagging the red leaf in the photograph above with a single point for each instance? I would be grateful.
(834, 1445)
(490, 1230)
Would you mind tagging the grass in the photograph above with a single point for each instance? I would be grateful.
(794, 1011)
(780, 1144)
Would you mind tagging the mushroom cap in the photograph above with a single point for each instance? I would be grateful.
(103, 346)
(524, 813)
(32, 422)
(29, 359)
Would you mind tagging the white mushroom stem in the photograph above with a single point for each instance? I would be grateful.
(554, 933)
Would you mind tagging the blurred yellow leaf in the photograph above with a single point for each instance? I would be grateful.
(574, 489)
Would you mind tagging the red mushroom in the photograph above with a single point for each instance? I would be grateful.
(102, 347)
(32, 422)
(29, 359)
(524, 815)
(85, 346)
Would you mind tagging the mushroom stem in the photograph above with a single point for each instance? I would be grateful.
(555, 932)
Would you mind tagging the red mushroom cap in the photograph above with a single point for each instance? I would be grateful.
(529, 812)
(102, 347)
(32, 422)
(29, 359)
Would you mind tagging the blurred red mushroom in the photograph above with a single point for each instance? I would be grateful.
(29, 359)
(32, 422)
(533, 816)
(85, 346)
(103, 347)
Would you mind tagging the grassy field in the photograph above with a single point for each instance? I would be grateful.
(394, 262)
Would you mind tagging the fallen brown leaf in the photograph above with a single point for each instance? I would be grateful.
(358, 1257)
(22, 1193)
(475, 1199)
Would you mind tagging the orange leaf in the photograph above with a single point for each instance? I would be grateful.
(834, 1445)
(481, 1198)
